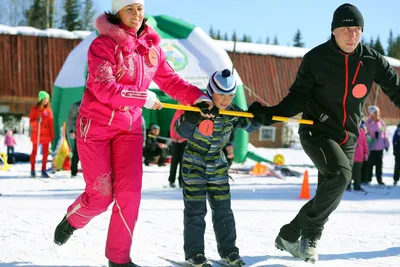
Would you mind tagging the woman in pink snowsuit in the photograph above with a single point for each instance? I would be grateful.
(122, 61)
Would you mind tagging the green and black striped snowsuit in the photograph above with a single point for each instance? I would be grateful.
(205, 173)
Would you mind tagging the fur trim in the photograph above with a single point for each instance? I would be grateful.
(124, 38)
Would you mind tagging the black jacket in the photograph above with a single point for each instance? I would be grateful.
(323, 90)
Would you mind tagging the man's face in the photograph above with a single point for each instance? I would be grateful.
(348, 38)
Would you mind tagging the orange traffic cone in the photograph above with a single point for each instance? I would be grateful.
(305, 187)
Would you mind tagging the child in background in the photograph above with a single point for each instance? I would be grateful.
(205, 173)
(10, 142)
(360, 155)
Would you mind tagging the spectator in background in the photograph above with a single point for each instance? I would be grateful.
(379, 141)
(10, 142)
(154, 147)
(42, 130)
(360, 155)
(177, 147)
(71, 130)
(365, 165)
(396, 153)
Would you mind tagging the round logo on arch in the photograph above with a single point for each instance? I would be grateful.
(359, 91)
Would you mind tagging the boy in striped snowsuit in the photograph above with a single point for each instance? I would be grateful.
(205, 173)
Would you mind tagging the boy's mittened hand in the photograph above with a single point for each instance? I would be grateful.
(204, 107)
(193, 117)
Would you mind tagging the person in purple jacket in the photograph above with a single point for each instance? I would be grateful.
(378, 141)
(396, 153)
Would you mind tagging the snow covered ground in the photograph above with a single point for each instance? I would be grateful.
(363, 231)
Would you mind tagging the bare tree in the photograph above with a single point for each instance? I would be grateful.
(13, 12)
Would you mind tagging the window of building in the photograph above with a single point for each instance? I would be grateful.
(267, 133)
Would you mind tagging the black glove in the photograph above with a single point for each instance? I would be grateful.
(203, 106)
(261, 114)
(195, 117)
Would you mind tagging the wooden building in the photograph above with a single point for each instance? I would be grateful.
(29, 64)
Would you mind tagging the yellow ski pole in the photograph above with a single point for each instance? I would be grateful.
(236, 113)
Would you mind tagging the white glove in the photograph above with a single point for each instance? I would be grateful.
(150, 100)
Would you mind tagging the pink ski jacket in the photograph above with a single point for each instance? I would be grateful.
(120, 69)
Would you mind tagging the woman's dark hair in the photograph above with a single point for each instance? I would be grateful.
(39, 104)
(113, 19)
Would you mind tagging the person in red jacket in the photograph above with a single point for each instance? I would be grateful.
(42, 130)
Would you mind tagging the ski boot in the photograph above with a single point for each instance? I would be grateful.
(291, 247)
(199, 260)
(129, 264)
(233, 259)
(308, 249)
(45, 174)
(63, 232)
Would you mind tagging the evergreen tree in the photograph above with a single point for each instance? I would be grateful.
(275, 42)
(36, 15)
(71, 21)
(391, 42)
(395, 51)
(218, 35)
(211, 32)
(363, 41)
(226, 38)
(234, 36)
(297, 39)
(88, 15)
(371, 43)
(267, 40)
(378, 46)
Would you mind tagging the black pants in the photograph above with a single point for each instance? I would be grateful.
(177, 155)
(74, 160)
(364, 172)
(396, 173)
(218, 193)
(149, 156)
(356, 175)
(10, 150)
(375, 159)
(334, 164)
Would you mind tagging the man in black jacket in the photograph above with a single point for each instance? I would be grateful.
(331, 86)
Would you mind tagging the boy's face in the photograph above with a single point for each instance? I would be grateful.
(155, 131)
(222, 101)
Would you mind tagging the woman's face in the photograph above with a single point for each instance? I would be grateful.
(45, 101)
(132, 16)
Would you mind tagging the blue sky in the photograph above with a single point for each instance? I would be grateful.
(262, 18)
